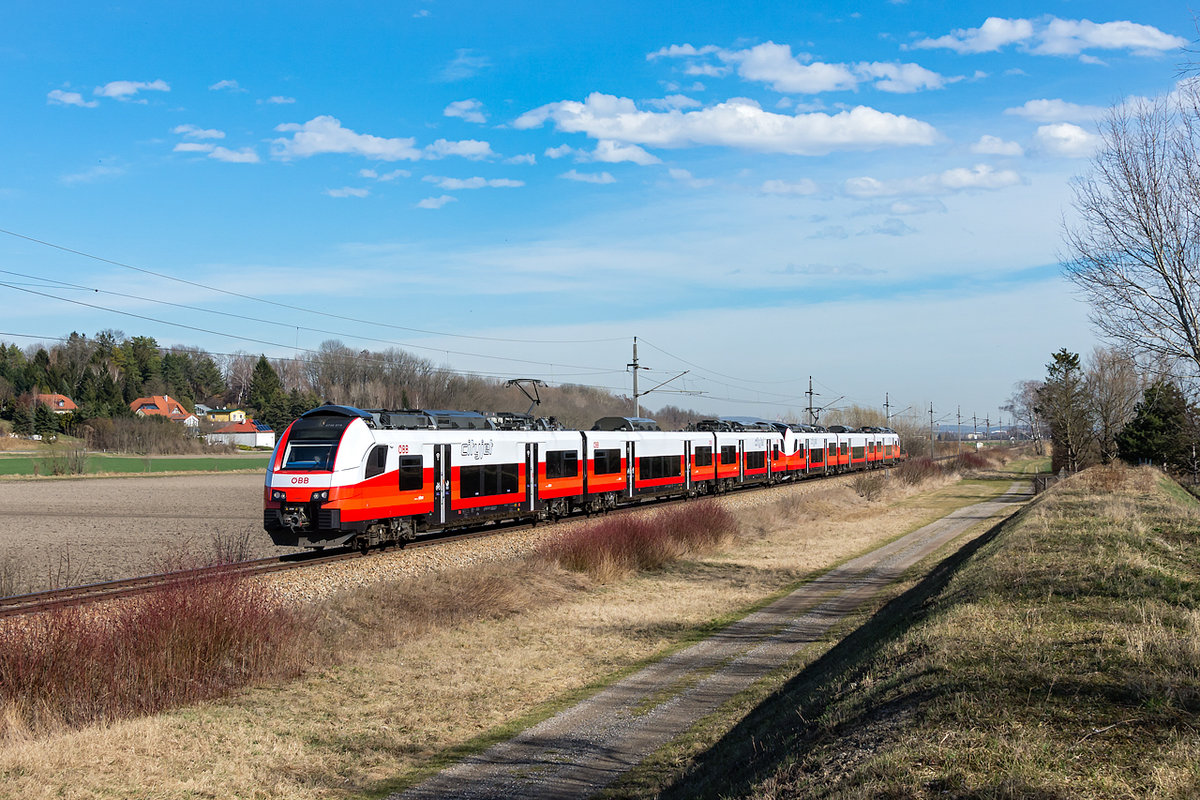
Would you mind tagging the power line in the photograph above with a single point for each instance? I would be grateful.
(277, 304)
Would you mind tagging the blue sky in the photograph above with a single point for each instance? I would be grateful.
(871, 194)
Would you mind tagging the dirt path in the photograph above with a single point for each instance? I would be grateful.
(583, 749)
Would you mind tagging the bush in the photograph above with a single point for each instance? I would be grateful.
(183, 643)
(918, 470)
(628, 542)
(965, 462)
(868, 486)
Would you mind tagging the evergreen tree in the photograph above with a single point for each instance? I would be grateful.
(1064, 403)
(1158, 431)
(22, 419)
(267, 396)
(45, 421)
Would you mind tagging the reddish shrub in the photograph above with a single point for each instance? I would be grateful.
(177, 645)
(918, 470)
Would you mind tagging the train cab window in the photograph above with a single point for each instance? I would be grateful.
(377, 460)
(487, 480)
(606, 462)
(756, 459)
(729, 454)
(412, 474)
(562, 464)
(704, 456)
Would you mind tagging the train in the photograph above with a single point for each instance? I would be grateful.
(341, 476)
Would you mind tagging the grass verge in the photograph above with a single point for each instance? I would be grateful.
(1060, 660)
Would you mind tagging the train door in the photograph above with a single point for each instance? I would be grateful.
(687, 465)
(531, 476)
(630, 469)
(441, 482)
(741, 460)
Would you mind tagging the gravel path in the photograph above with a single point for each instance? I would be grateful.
(583, 749)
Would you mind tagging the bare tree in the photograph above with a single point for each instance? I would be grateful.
(1135, 251)
(1023, 405)
(1115, 385)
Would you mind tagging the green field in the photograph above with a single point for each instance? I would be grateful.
(104, 464)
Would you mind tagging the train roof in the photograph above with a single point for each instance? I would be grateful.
(625, 424)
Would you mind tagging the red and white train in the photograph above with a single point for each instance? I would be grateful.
(344, 476)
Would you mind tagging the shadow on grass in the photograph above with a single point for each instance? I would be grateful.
(779, 728)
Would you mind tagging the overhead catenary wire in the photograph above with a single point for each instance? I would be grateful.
(302, 309)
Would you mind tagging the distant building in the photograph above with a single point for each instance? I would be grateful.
(226, 415)
(248, 433)
(58, 403)
(161, 405)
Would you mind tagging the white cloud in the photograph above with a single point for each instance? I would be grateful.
(465, 65)
(227, 85)
(682, 50)
(472, 183)
(1050, 35)
(995, 146)
(92, 174)
(194, 132)
(325, 134)
(193, 147)
(981, 176)
(683, 176)
(889, 227)
(125, 90)
(469, 110)
(387, 176)
(588, 177)
(733, 123)
(1055, 111)
(775, 65)
(674, 101)
(611, 152)
(436, 202)
(348, 191)
(58, 97)
(560, 151)
(525, 158)
(244, 156)
(1067, 140)
(804, 186)
(472, 149)
(423, 13)
(278, 100)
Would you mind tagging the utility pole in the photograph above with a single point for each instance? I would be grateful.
(887, 411)
(812, 420)
(959, 430)
(931, 429)
(634, 366)
(987, 428)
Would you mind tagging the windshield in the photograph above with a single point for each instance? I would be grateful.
(313, 442)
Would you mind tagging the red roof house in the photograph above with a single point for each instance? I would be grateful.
(58, 403)
(161, 405)
(249, 433)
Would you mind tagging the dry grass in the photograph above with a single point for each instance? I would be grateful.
(1062, 661)
(473, 652)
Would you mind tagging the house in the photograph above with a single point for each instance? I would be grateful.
(161, 405)
(58, 403)
(226, 415)
(248, 433)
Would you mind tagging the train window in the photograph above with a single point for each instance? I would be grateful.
(729, 454)
(845, 448)
(606, 462)
(562, 464)
(412, 474)
(858, 453)
(816, 455)
(833, 450)
(704, 456)
(800, 449)
(756, 459)
(488, 480)
(651, 467)
(377, 460)
(775, 452)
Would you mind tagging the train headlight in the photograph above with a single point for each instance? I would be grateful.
(320, 497)
(278, 495)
